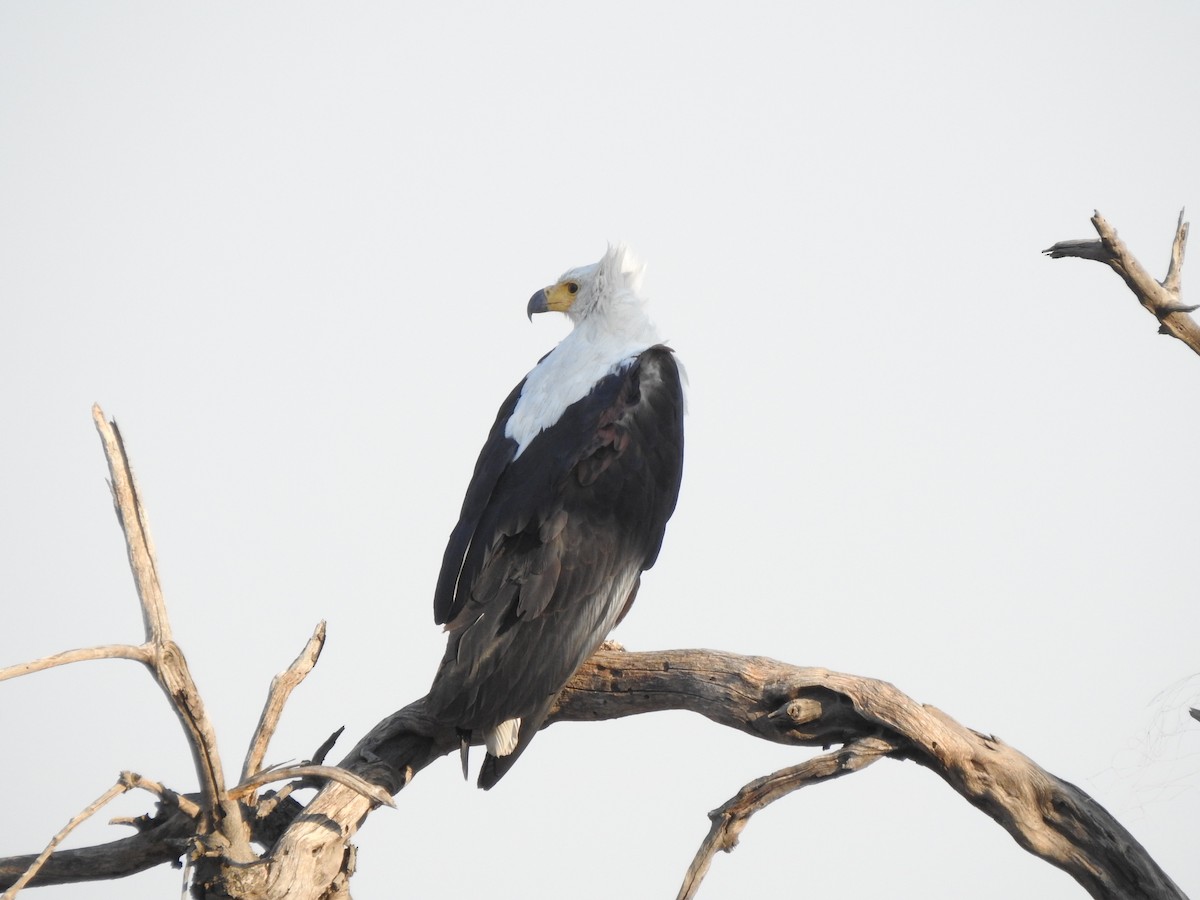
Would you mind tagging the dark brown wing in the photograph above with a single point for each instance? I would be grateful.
(536, 575)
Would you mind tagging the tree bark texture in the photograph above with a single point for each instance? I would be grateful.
(1162, 299)
(805, 707)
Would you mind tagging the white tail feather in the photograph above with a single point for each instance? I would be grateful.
(502, 740)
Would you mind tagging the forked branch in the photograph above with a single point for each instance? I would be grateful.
(282, 686)
(731, 817)
(1161, 299)
(786, 704)
(168, 665)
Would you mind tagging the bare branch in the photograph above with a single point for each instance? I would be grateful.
(323, 773)
(168, 663)
(158, 841)
(142, 654)
(326, 745)
(1178, 246)
(1083, 249)
(282, 686)
(132, 517)
(116, 790)
(1161, 299)
(774, 701)
(173, 798)
(731, 817)
(767, 699)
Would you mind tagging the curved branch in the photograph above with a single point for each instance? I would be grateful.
(1047, 816)
(771, 700)
(316, 773)
(1161, 299)
(767, 699)
(138, 653)
(731, 817)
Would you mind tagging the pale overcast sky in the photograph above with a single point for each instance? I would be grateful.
(288, 246)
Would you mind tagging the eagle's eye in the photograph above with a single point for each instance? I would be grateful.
(572, 287)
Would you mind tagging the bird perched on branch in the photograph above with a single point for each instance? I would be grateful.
(566, 509)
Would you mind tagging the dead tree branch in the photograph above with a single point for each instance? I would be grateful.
(316, 773)
(1161, 299)
(139, 653)
(773, 701)
(282, 686)
(87, 812)
(766, 699)
(731, 817)
(169, 666)
(311, 857)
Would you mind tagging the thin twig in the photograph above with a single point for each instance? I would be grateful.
(140, 653)
(183, 803)
(186, 805)
(282, 686)
(116, 790)
(327, 745)
(325, 773)
(730, 818)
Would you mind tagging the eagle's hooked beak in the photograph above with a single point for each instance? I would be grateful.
(537, 304)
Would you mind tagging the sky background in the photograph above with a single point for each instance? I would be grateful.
(288, 247)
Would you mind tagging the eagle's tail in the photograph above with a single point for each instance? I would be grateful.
(494, 767)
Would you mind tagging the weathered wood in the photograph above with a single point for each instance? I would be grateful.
(771, 700)
(1049, 817)
(163, 839)
(762, 697)
(731, 817)
(221, 820)
(282, 686)
(1161, 299)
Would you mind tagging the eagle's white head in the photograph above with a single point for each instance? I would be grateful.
(606, 288)
(611, 329)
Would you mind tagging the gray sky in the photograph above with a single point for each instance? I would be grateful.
(289, 246)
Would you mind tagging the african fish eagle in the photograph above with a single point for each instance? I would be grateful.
(566, 509)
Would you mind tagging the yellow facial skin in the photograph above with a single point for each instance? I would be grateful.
(556, 298)
(560, 297)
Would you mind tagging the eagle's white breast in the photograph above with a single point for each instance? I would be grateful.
(567, 374)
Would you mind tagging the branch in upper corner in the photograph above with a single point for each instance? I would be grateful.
(1161, 299)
